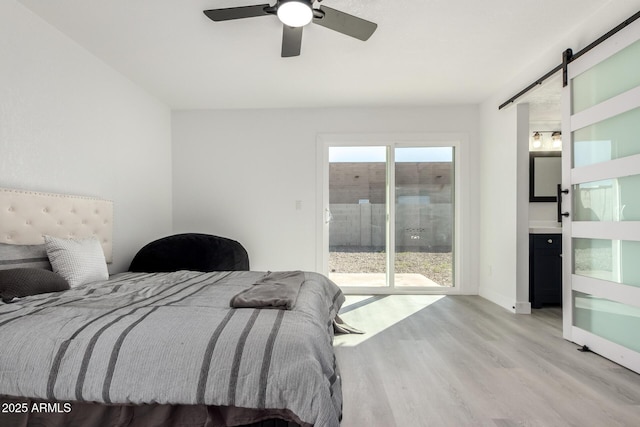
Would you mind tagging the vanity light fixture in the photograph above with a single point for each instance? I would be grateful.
(537, 140)
(556, 139)
(552, 141)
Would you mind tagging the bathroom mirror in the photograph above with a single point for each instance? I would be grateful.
(545, 173)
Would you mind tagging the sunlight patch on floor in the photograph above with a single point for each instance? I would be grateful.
(374, 314)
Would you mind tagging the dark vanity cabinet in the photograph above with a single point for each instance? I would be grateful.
(545, 269)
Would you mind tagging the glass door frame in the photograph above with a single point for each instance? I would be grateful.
(611, 230)
(391, 141)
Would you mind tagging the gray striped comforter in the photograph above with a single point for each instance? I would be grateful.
(172, 338)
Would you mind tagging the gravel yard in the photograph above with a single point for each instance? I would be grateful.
(435, 266)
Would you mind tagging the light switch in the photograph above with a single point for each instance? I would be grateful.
(298, 205)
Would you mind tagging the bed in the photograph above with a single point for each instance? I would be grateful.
(160, 348)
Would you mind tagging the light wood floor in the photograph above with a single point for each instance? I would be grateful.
(464, 361)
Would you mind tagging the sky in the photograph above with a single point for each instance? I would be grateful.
(378, 154)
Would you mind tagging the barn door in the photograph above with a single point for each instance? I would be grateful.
(601, 203)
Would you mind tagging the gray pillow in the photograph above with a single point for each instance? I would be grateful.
(22, 282)
(23, 256)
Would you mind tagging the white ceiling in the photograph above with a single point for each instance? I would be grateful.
(425, 52)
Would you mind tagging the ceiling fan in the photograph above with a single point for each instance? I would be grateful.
(295, 14)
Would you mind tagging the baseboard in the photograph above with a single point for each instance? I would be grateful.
(499, 299)
(523, 308)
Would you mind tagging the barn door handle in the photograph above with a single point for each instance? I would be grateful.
(560, 192)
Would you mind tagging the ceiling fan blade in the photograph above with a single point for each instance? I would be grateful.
(291, 41)
(237, 12)
(344, 23)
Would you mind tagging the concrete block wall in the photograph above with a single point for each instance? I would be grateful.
(424, 228)
(424, 210)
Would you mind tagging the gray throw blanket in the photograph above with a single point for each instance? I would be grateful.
(275, 290)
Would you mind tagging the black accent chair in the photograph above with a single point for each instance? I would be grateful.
(191, 251)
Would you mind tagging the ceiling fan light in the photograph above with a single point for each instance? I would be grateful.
(295, 13)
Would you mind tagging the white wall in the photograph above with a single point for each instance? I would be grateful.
(500, 275)
(522, 209)
(238, 173)
(70, 124)
(498, 206)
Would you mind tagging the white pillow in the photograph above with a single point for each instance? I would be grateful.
(78, 261)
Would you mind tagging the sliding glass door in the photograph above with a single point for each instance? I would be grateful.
(424, 216)
(390, 216)
(357, 214)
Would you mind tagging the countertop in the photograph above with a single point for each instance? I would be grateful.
(545, 227)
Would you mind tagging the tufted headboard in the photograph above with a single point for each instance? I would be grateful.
(25, 216)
